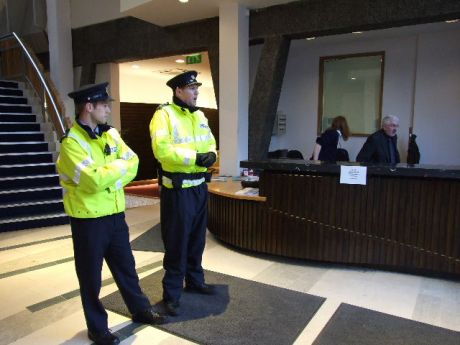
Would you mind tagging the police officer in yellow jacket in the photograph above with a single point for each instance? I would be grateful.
(185, 147)
(94, 165)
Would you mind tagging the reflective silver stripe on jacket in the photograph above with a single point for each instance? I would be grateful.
(205, 137)
(185, 183)
(79, 167)
(81, 142)
(160, 133)
(115, 135)
(118, 184)
(196, 182)
(128, 155)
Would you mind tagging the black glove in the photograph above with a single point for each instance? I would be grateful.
(205, 159)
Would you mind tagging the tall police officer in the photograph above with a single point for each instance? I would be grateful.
(94, 164)
(184, 145)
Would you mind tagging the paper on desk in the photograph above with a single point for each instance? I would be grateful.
(353, 174)
(248, 191)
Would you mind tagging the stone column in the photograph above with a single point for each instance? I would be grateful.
(233, 86)
(60, 49)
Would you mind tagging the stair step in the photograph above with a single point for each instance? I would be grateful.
(29, 194)
(17, 118)
(38, 221)
(19, 127)
(21, 136)
(18, 108)
(25, 146)
(30, 208)
(9, 84)
(26, 157)
(5, 91)
(27, 169)
(16, 182)
(12, 100)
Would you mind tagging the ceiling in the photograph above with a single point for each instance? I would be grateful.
(170, 12)
(165, 68)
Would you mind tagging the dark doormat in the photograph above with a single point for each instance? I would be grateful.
(149, 241)
(359, 326)
(241, 312)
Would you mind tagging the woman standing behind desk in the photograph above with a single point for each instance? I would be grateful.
(326, 145)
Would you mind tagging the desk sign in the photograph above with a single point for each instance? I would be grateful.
(353, 174)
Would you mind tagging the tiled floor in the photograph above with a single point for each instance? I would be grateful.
(39, 301)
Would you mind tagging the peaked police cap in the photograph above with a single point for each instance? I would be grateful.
(183, 79)
(91, 93)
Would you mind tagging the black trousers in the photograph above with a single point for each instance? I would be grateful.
(106, 238)
(183, 228)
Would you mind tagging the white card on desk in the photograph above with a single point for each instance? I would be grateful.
(353, 174)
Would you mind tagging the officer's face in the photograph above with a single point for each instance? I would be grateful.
(100, 112)
(390, 129)
(188, 94)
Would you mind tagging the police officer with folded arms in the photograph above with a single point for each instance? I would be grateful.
(94, 165)
(185, 147)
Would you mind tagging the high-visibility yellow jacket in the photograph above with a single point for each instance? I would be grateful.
(177, 135)
(93, 169)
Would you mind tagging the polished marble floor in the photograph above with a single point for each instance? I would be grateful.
(39, 301)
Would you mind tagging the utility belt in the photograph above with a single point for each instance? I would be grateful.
(178, 180)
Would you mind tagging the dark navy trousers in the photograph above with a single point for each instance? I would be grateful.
(94, 240)
(184, 216)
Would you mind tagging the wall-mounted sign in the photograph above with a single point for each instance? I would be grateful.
(193, 59)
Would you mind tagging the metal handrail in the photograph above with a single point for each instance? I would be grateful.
(40, 75)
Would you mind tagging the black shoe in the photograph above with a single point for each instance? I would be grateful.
(172, 308)
(149, 316)
(204, 289)
(103, 338)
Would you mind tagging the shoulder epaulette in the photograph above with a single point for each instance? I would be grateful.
(161, 106)
(65, 135)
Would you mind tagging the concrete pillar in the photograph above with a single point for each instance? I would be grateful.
(60, 48)
(233, 86)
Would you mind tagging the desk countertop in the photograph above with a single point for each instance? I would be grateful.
(229, 188)
(400, 170)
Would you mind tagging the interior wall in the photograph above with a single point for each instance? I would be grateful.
(299, 96)
(149, 89)
(437, 106)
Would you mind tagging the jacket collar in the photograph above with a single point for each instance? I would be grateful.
(177, 101)
(97, 131)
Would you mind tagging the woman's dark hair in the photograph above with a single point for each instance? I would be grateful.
(340, 123)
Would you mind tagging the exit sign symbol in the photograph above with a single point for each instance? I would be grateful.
(193, 59)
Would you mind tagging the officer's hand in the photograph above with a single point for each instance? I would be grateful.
(205, 159)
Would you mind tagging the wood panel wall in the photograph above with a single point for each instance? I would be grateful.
(135, 119)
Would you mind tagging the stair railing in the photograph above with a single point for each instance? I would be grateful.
(17, 61)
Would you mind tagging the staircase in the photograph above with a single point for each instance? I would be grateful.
(30, 194)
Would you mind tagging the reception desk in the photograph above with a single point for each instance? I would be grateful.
(405, 218)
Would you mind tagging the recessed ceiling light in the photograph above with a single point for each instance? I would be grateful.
(310, 38)
(357, 32)
(183, 1)
(180, 60)
(353, 78)
(451, 21)
(135, 66)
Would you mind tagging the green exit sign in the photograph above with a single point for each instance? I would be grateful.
(191, 59)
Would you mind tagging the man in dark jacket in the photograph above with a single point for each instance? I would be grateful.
(381, 147)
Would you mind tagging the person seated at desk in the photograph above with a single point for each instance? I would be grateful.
(381, 146)
(326, 145)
